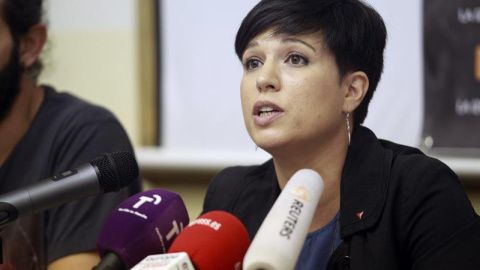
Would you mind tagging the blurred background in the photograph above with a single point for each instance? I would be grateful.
(167, 69)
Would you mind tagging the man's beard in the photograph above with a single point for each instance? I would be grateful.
(9, 83)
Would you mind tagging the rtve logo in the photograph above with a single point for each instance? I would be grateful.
(143, 199)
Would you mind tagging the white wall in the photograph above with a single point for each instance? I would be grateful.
(92, 53)
(396, 111)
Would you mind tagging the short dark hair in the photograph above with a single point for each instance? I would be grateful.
(351, 30)
(20, 16)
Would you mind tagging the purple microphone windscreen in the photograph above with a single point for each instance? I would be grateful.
(144, 224)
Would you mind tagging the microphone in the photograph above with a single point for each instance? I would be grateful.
(144, 224)
(282, 234)
(106, 173)
(215, 240)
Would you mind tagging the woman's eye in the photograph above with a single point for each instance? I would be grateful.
(252, 63)
(297, 59)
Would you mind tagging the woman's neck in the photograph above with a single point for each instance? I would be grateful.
(325, 158)
(328, 161)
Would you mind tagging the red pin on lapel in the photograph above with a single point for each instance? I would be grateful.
(360, 214)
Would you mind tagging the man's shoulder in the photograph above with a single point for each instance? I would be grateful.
(67, 107)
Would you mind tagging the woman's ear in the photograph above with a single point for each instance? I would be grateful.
(357, 86)
(31, 44)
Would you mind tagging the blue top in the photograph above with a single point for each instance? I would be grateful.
(319, 245)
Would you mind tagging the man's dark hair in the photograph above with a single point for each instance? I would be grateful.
(20, 16)
(351, 30)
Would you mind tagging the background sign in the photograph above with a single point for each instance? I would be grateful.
(452, 74)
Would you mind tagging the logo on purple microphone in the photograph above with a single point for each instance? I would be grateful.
(143, 199)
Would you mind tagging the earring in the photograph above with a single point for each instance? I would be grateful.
(348, 126)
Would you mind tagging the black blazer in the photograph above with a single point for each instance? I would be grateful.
(399, 209)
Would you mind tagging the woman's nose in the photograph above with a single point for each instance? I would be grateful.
(268, 78)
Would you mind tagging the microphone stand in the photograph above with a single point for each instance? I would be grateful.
(110, 261)
(8, 214)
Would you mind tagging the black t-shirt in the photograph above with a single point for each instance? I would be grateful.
(66, 132)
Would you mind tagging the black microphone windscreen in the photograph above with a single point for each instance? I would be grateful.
(116, 169)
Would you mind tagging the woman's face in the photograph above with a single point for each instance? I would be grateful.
(291, 94)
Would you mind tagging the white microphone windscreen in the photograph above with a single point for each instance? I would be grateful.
(282, 234)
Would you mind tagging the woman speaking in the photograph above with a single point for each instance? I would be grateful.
(310, 69)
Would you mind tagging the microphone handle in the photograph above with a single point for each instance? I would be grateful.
(110, 261)
(50, 192)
